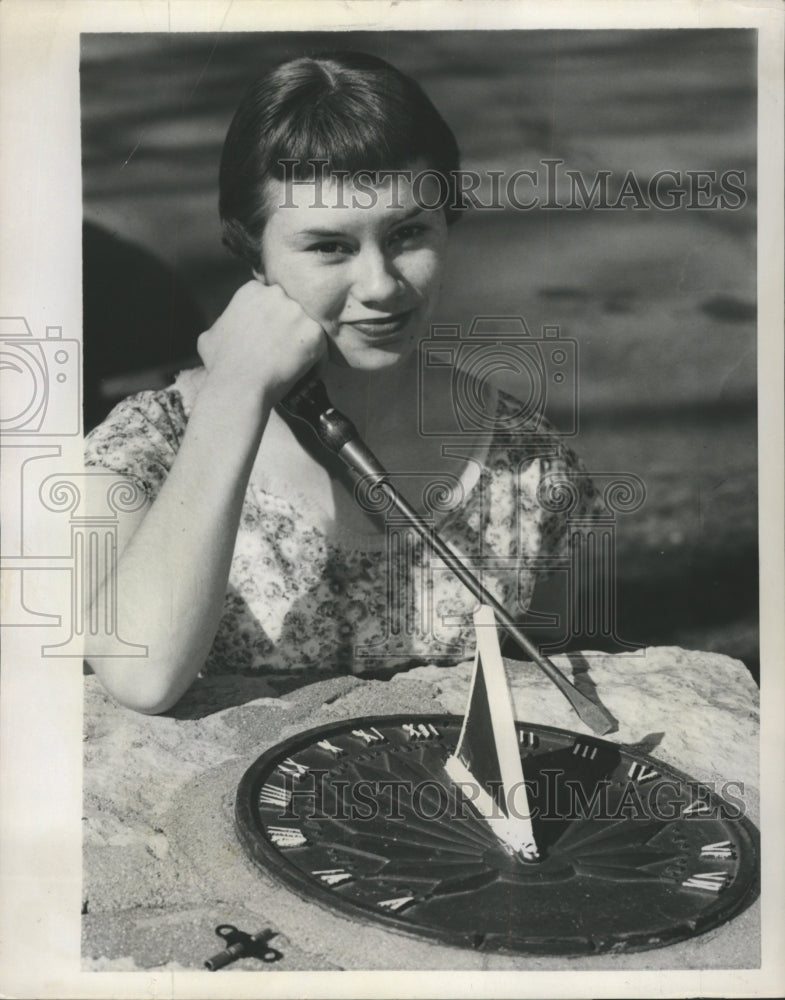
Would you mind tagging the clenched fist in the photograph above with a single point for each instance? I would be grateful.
(262, 342)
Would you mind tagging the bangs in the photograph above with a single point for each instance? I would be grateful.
(352, 130)
(345, 112)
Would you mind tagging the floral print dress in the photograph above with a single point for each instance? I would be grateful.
(301, 600)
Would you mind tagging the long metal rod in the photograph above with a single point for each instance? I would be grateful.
(308, 401)
(593, 715)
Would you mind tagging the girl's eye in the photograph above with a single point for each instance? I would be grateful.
(408, 233)
(330, 248)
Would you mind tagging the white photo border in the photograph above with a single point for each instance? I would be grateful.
(40, 279)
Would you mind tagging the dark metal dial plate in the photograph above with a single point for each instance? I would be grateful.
(360, 816)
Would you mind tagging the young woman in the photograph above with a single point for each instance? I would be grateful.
(253, 552)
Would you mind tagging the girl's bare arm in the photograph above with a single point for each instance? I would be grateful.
(173, 571)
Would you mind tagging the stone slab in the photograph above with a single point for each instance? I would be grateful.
(163, 868)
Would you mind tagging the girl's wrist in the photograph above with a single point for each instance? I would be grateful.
(237, 396)
(236, 412)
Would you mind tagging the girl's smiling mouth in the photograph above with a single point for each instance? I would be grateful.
(382, 327)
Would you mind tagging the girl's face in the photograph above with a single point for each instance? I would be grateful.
(364, 262)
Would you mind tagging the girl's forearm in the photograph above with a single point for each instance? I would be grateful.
(172, 575)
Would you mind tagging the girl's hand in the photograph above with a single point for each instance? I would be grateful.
(263, 341)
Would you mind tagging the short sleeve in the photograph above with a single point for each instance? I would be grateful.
(139, 438)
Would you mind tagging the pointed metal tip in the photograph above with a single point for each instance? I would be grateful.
(596, 717)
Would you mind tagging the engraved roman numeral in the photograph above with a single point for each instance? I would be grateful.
(526, 738)
(642, 773)
(330, 748)
(274, 795)
(286, 836)
(585, 750)
(420, 730)
(333, 876)
(292, 768)
(722, 849)
(395, 904)
(708, 881)
(374, 736)
(697, 807)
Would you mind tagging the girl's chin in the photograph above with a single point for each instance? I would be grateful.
(372, 358)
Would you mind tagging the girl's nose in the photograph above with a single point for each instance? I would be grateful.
(376, 281)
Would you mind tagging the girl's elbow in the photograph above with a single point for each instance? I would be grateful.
(149, 691)
(150, 703)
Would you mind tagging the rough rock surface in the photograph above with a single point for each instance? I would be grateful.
(162, 866)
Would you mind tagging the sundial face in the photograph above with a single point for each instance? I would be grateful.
(361, 816)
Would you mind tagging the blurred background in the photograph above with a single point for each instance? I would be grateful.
(660, 303)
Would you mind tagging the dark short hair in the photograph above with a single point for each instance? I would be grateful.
(350, 109)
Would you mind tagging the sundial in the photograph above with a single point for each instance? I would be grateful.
(492, 834)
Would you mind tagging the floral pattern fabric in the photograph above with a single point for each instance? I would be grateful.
(299, 599)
